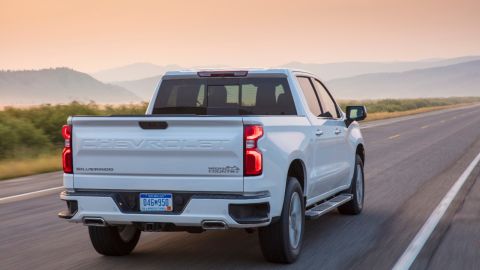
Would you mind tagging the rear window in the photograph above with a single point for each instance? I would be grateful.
(220, 96)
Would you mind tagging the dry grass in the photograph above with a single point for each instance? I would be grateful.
(28, 166)
(387, 115)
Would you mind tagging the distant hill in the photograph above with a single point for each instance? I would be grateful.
(59, 85)
(454, 80)
(132, 72)
(143, 88)
(348, 69)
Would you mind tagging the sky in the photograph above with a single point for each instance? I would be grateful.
(91, 35)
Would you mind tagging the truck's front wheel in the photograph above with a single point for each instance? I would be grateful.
(281, 241)
(357, 189)
(114, 240)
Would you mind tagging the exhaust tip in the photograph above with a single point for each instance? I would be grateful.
(214, 225)
(94, 221)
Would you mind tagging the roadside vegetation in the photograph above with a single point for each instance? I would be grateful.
(30, 139)
(389, 108)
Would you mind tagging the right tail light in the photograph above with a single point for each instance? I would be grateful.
(252, 164)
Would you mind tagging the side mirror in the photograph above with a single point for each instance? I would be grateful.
(356, 113)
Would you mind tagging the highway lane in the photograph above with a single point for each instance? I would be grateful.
(410, 165)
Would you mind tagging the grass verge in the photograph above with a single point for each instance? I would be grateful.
(387, 115)
(18, 167)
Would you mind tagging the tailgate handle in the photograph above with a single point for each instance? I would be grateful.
(153, 124)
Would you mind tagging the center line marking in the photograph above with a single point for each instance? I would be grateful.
(426, 126)
(394, 136)
(26, 195)
(414, 248)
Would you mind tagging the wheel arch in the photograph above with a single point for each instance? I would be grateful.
(297, 169)
(361, 152)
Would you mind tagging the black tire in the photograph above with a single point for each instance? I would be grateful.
(275, 239)
(114, 240)
(355, 206)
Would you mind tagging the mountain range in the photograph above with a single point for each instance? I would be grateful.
(327, 71)
(370, 80)
(348, 80)
(461, 79)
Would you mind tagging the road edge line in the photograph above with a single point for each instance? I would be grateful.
(416, 245)
(15, 197)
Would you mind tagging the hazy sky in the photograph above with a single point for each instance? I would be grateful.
(90, 35)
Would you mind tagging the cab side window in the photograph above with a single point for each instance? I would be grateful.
(328, 104)
(310, 95)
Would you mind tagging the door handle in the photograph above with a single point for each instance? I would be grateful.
(337, 131)
(319, 132)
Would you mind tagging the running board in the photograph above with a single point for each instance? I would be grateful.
(327, 206)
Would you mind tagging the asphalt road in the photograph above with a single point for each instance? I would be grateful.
(411, 164)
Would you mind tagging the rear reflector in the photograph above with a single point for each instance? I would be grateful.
(238, 73)
(252, 164)
(67, 159)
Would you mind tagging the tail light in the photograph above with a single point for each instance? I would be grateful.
(252, 164)
(233, 73)
(67, 159)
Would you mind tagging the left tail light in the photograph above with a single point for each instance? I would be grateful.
(67, 159)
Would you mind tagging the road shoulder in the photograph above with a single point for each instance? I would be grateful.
(459, 246)
(30, 183)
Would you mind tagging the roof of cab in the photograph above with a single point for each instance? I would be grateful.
(251, 71)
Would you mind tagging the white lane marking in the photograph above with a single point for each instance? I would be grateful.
(28, 194)
(394, 136)
(414, 248)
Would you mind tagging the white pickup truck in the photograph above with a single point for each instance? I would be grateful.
(255, 149)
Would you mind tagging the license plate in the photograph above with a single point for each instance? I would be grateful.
(156, 202)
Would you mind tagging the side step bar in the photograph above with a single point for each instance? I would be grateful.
(327, 206)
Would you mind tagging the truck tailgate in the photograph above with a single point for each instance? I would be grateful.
(158, 153)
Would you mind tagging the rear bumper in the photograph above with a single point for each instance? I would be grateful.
(239, 210)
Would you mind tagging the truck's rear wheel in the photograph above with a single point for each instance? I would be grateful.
(357, 188)
(281, 241)
(114, 240)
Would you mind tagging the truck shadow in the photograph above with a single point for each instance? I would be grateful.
(234, 249)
